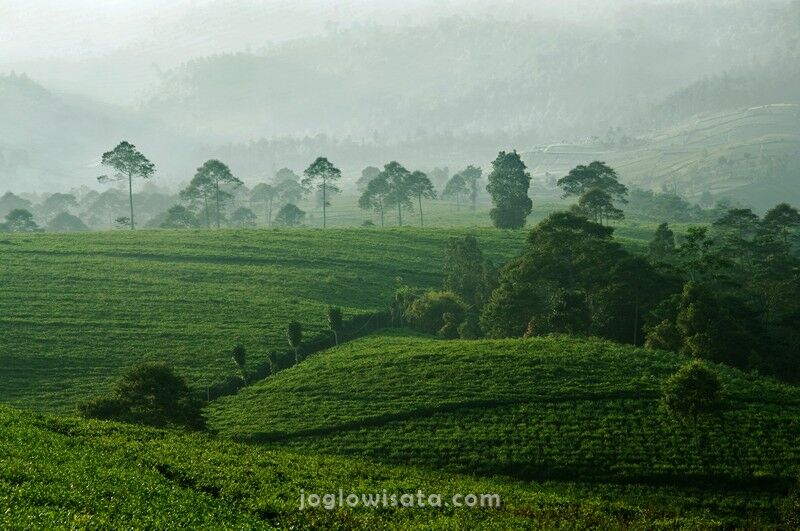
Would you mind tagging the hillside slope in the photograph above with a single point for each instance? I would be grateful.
(60, 473)
(750, 154)
(540, 408)
(77, 310)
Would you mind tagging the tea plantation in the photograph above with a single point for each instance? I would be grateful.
(554, 408)
(65, 473)
(77, 310)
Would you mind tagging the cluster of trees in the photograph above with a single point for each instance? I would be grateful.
(728, 293)
(394, 187)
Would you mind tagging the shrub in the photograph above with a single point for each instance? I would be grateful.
(149, 393)
(693, 392)
(427, 312)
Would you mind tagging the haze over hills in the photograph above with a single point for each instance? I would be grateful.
(519, 77)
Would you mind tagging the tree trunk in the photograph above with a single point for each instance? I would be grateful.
(421, 223)
(130, 197)
(324, 203)
(208, 214)
(216, 189)
(399, 214)
(381, 206)
(269, 214)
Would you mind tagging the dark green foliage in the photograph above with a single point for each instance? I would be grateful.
(470, 328)
(597, 175)
(706, 326)
(239, 356)
(426, 313)
(450, 328)
(127, 163)
(322, 174)
(662, 246)
(66, 222)
(569, 314)
(467, 273)
(289, 216)
(180, 217)
(598, 205)
(294, 335)
(692, 393)
(790, 510)
(19, 220)
(149, 393)
(334, 314)
(571, 269)
(508, 186)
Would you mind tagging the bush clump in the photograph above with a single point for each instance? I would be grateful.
(151, 394)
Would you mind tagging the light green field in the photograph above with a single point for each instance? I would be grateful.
(77, 310)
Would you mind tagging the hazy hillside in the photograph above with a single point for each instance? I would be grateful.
(52, 141)
(478, 75)
(748, 154)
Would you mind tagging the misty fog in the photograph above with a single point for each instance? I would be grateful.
(266, 85)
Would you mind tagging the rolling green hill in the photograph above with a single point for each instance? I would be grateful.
(61, 473)
(535, 409)
(77, 310)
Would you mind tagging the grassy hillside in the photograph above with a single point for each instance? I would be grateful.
(61, 473)
(77, 310)
(749, 154)
(544, 408)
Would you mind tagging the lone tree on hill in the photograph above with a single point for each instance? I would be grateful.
(420, 186)
(294, 334)
(128, 163)
(508, 186)
(692, 393)
(322, 174)
(335, 321)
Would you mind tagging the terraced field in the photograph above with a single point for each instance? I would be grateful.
(747, 154)
(77, 310)
(534, 409)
